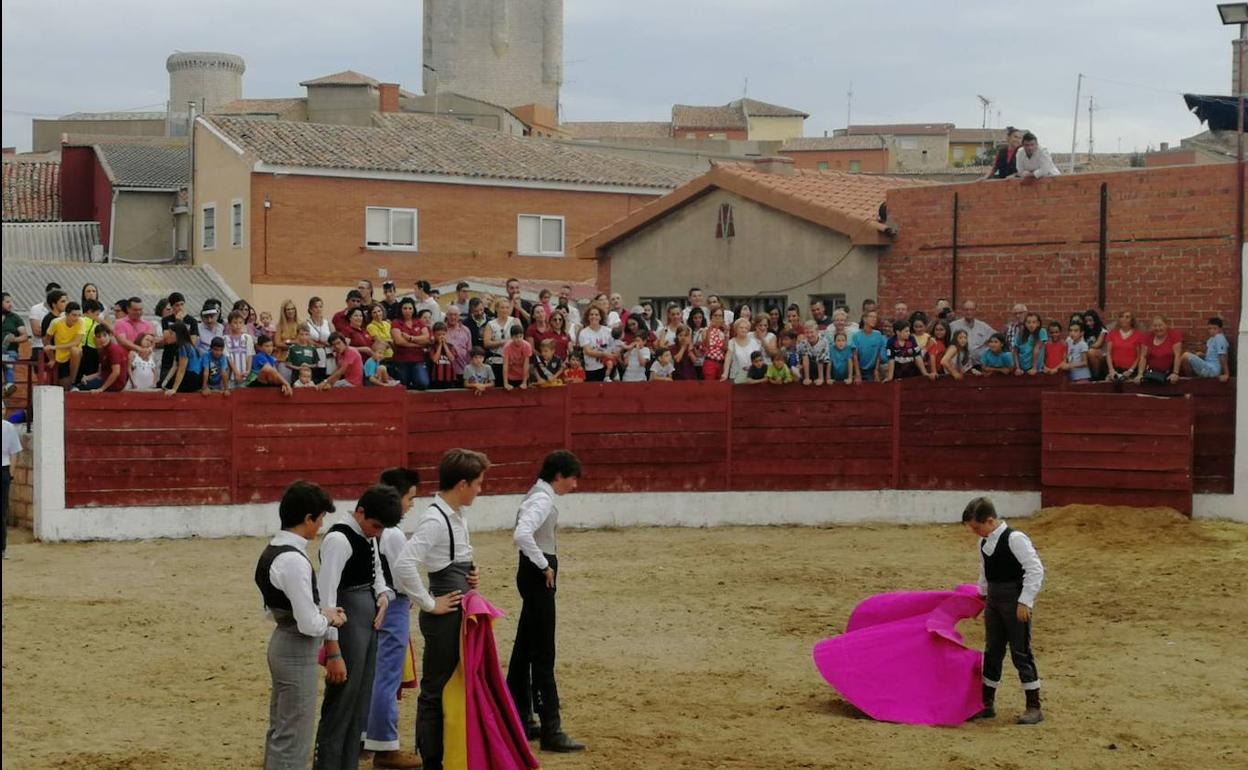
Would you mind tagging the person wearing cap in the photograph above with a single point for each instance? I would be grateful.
(423, 294)
(210, 326)
(390, 301)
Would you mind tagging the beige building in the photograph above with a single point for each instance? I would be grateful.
(911, 146)
(763, 234)
(47, 133)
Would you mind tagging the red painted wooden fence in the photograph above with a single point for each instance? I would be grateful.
(1138, 451)
(148, 449)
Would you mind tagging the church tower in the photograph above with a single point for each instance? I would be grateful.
(507, 52)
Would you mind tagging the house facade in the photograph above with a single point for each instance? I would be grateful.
(854, 154)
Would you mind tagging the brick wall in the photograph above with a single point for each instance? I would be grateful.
(20, 512)
(313, 233)
(875, 161)
(1170, 245)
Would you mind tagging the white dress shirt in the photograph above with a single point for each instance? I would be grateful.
(429, 548)
(391, 545)
(535, 524)
(1025, 552)
(291, 573)
(977, 335)
(12, 443)
(37, 312)
(1040, 165)
(430, 304)
(335, 551)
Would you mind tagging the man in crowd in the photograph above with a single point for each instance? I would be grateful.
(365, 288)
(713, 303)
(522, 309)
(130, 330)
(476, 322)
(977, 332)
(819, 312)
(340, 321)
(568, 307)
(901, 312)
(1016, 322)
(461, 299)
(1034, 162)
(210, 326)
(390, 300)
(37, 313)
(422, 291)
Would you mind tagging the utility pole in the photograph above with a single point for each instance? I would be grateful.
(849, 105)
(1074, 134)
(1091, 109)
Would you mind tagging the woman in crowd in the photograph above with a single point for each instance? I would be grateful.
(411, 338)
(561, 333)
(249, 315)
(793, 320)
(774, 322)
(357, 336)
(1163, 352)
(497, 333)
(319, 330)
(666, 336)
(540, 329)
(379, 327)
(743, 312)
(459, 339)
(715, 347)
(1004, 166)
(741, 347)
(766, 338)
(162, 309)
(90, 291)
(647, 312)
(918, 330)
(287, 330)
(957, 360)
(594, 340)
(1094, 333)
(1029, 346)
(637, 351)
(935, 349)
(1124, 349)
(187, 374)
(697, 338)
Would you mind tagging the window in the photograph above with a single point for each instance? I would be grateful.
(959, 153)
(390, 229)
(539, 236)
(725, 227)
(823, 165)
(907, 143)
(854, 167)
(209, 220)
(830, 303)
(236, 224)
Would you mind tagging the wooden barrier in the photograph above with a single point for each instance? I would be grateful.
(1137, 452)
(984, 434)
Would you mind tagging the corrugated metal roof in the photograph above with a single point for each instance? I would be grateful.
(26, 281)
(113, 116)
(50, 241)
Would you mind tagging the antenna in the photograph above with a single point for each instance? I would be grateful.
(1091, 109)
(986, 102)
(849, 105)
(746, 90)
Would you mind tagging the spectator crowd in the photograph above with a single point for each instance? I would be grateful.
(420, 343)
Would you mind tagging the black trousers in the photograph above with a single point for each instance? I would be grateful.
(437, 666)
(1002, 628)
(4, 531)
(531, 671)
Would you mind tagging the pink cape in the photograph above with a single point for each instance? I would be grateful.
(901, 658)
(495, 737)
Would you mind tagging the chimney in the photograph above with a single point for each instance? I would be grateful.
(1165, 147)
(10, 151)
(775, 165)
(389, 101)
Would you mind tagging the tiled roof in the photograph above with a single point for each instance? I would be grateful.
(137, 165)
(977, 135)
(32, 191)
(277, 107)
(765, 110)
(686, 116)
(845, 203)
(902, 129)
(114, 116)
(830, 143)
(90, 140)
(633, 129)
(344, 78)
(25, 281)
(1216, 142)
(421, 144)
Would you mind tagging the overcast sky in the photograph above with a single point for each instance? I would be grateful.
(907, 60)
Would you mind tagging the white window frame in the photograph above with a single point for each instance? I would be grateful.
(542, 219)
(390, 210)
(203, 226)
(236, 205)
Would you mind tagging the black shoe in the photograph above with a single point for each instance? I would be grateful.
(532, 728)
(1033, 715)
(989, 697)
(560, 743)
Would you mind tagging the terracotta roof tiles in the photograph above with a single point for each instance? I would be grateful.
(685, 117)
(634, 129)
(831, 143)
(32, 191)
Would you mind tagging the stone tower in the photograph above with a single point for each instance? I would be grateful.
(508, 52)
(207, 78)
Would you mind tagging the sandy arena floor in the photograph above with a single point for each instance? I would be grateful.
(678, 648)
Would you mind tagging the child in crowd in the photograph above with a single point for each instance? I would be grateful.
(516, 355)
(779, 372)
(1010, 576)
(613, 354)
(904, 357)
(886, 328)
(996, 359)
(375, 370)
(305, 378)
(1054, 349)
(756, 373)
(636, 357)
(547, 367)
(478, 376)
(788, 346)
(841, 363)
(575, 371)
(266, 325)
(716, 347)
(442, 357)
(264, 367)
(1214, 362)
(957, 360)
(1077, 354)
(918, 330)
(302, 351)
(288, 589)
(664, 368)
(870, 350)
(240, 347)
(144, 366)
(216, 368)
(812, 353)
(1029, 345)
(683, 356)
(935, 349)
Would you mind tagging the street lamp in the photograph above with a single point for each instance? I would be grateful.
(1233, 13)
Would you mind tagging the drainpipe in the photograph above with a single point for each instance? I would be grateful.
(112, 225)
(190, 188)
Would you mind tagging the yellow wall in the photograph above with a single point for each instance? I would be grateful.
(969, 152)
(221, 177)
(775, 129)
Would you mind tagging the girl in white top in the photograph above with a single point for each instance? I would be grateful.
(667, 333)
(740, 348)
(319, 330)
(594, 340)
(497, 333)
(144, 367)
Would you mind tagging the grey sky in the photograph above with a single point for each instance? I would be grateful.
(908, 61)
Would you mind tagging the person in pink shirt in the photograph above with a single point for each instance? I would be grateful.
(459, 338)
(129, 331)
(350, 371)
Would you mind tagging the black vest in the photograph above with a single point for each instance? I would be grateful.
(1003, 565)
(274, 597)
(1005, 166)
(359, 569)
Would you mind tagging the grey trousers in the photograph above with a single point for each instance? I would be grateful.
(292, 705)
(345, 707)
(1002, 629)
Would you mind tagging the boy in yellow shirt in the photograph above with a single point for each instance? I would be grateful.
(67, 334)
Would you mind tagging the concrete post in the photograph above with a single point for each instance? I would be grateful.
(48, 461)
(1240, 492)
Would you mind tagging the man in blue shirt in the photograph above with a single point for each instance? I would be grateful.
(869, 349)
(1214, 362)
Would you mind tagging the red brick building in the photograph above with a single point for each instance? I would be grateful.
(867, 154)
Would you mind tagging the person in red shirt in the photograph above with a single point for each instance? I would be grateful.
(1054, 349)
(114, 364)
(1126, 349)
(342, 319)
(516, 355)
(1163, 352)
(350, 371)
